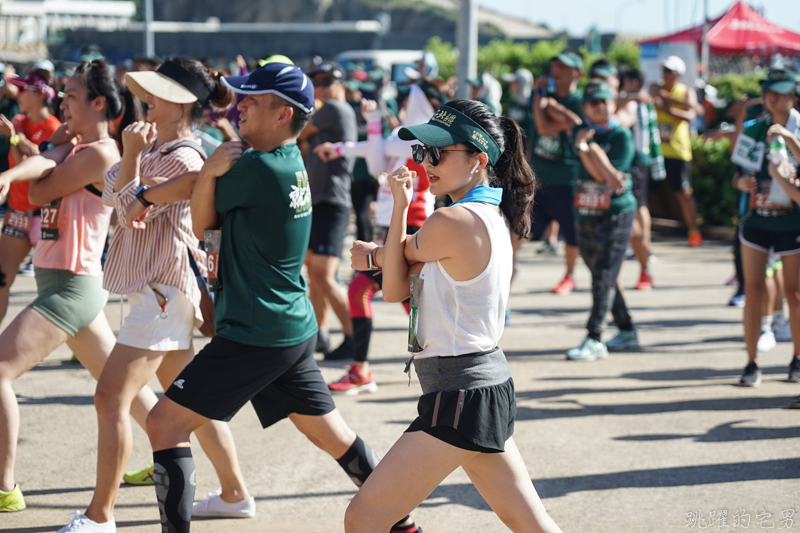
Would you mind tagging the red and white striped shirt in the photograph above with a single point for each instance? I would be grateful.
(158, 253)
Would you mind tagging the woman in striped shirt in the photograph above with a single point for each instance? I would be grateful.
(66, 180)
(149, 261)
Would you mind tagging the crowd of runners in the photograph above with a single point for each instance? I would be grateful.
(222, 201)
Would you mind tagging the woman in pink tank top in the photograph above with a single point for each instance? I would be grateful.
(66, 180)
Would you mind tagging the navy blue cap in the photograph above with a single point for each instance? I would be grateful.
(287, 81)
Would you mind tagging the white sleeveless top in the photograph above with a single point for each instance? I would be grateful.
(461, 317)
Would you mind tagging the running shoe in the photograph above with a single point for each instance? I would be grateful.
(26, 270)
(737, 300)
(645, 281)
(766, 341)
(11, 501)
(588, 351)
(695, 238)
(548, 248)
(140, 477)
(344, 352)
(794, 369)
(794, 404)
(625, 340)
(566, 286)
(214, 506)
(413, 528)
(751, 377)
(354, 382)
(782, 331)
(80, 523)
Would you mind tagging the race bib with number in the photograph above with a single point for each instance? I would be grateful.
(413, 314)
(213, 238)
(748, 153)
(16, 224)
(665, 132)
(760, 202)
(50, 216)
(592, 198)
(549, 147)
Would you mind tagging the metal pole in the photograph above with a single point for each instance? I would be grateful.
(467, 44)
(149, 42)
(704, 46)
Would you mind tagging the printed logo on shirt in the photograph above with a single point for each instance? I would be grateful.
(179, 383)
(300, 197)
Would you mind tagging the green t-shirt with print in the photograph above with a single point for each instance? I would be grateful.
(618, 146)
(553, 157)
(266, 202)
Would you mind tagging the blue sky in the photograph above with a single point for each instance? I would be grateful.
(636, 16)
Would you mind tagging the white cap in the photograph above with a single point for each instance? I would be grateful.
(45, 64)
(675, 64)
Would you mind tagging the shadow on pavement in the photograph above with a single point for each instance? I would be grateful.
(724, 433)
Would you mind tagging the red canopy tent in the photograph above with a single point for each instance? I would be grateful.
(740, 31)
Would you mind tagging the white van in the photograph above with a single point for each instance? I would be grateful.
(394, 62)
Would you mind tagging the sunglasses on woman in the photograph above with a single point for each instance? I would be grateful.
(434, 153)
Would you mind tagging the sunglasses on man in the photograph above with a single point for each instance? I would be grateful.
(418, 152)
(322, 82)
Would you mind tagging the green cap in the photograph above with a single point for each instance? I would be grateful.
(605, 71)
(570, 59)
(780, 81)
(432, 91)
(91, 55)
(475, 82)
(597, 90)
(450, 126)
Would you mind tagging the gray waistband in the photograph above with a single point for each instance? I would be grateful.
(461, 372)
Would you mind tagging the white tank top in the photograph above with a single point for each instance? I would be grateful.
(461, 317)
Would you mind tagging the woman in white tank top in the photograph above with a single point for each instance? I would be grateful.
(457, 269)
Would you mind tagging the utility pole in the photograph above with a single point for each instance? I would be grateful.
(467, 44)
(704, 45)
(149, 42)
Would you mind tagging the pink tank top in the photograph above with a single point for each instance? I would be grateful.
(74, 230)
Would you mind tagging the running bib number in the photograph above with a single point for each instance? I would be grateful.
(760, 203)
(213, 238)
(592, 198)
(50, 216)
(16, 224)
(413, 315)
(665, 132)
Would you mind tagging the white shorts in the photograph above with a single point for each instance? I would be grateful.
(145, 328)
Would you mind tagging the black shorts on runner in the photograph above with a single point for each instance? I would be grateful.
(679, 174)
(640, 176)
(328, 228)
(783, 242)
(226, 374)
(554, 202)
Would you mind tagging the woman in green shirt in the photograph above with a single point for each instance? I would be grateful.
(604, 211)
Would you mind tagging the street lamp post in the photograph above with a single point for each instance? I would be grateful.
(467, 43)
(149, 41)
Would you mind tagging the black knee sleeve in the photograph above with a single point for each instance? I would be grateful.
(174, 474)
(359, 461)
(362, 331)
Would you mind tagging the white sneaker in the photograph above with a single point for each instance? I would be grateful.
(215, 506)
(766, 341)
(80, 523)
(782, 331)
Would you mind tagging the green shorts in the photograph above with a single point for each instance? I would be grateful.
(68, 300)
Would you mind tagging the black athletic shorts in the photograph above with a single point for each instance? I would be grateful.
(640, 176)
(783, 242)
(328, 228)
(226, 374)
(679, 174)
(554, 202)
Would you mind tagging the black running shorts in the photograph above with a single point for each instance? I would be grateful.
(328, 229)
(226, 374)
(554, 202)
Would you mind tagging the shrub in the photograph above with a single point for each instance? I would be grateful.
(712, 170)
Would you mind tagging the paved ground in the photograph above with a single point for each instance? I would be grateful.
(632, 443)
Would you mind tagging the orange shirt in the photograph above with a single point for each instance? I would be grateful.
(36, 133)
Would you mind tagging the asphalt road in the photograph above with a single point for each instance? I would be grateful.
(657, 440)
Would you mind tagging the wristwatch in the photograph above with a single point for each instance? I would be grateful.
(140, 195)
(45, 146)
(583, 147)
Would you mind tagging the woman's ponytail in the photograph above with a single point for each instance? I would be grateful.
(513, 173)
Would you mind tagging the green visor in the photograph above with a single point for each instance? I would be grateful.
(450, 126)
(780, 81)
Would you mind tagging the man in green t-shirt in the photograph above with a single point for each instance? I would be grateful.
(556, 111)
(263, 350)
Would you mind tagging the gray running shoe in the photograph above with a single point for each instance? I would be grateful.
(794, 369)
(794, 404)
(625, 340)
(751, 376)
(588, 351)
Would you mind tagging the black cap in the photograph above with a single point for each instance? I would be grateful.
(330, 68)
